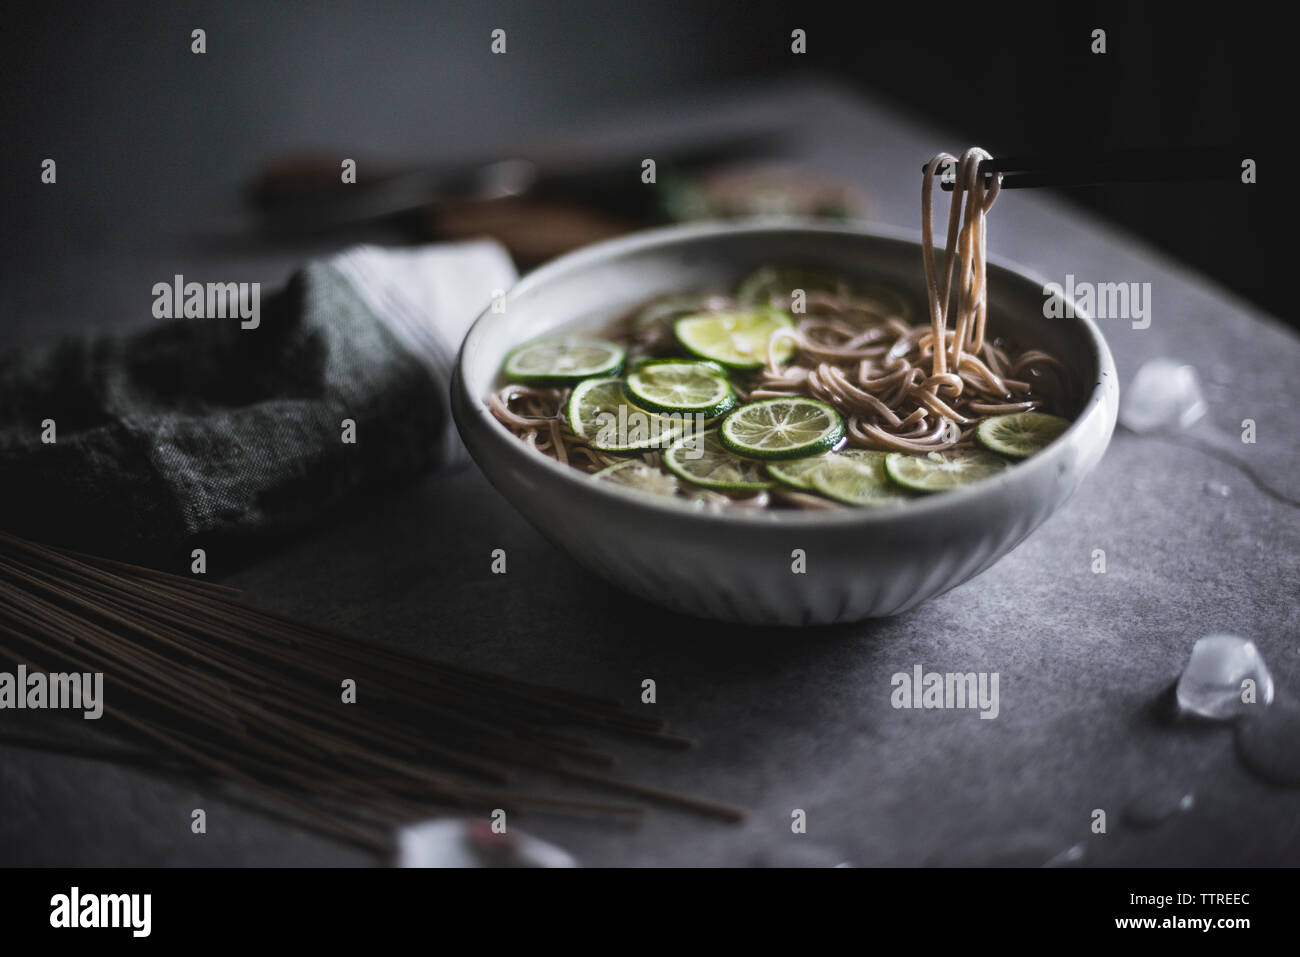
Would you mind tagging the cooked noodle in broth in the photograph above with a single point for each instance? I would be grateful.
(899, 385)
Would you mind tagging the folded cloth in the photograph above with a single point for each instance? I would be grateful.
(201, 433)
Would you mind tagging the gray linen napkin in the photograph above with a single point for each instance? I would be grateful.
(201, 433)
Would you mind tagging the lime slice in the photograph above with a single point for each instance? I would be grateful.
(678, 385)
(638, 475)
(773, 283)
(856, 477)
(599, 412)
(1021, 434)
(702, 459)
(664, 308)
(717, 367)
(785, 428)
(796, 473)
(763, 285)
(738, 340)
(563, 361)
(939, 471)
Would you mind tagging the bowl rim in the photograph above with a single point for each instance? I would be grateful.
(970, 496)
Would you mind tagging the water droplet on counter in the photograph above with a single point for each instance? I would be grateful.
(1269, 745)
(1158, 805)
(1070, 857)
(1163, 394)
(1214, 488)
(1225, 678)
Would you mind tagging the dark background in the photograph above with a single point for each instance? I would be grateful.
(151, 139)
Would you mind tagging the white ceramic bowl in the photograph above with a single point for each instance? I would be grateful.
(738, 566)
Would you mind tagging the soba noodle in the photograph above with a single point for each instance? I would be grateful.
(899, 387)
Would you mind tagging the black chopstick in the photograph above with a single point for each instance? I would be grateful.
(1183, 165)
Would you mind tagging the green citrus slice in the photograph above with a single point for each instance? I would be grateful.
(1021, 434)
(638, 475)
(783, 428)
(599, 412)
(563, 361)
(777, 284)
(702, 459)
(677, 385)
(762, 285)
(856, 477)
(940, 471)
(796, 473)
(738, 340)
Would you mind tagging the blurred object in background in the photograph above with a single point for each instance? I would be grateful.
(542, 204)
(537, 230)
(302, 192)
(534, 230)
(733, 193)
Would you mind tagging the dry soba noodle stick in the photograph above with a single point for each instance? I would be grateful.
(197, 680)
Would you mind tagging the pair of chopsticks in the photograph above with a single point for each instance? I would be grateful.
(1184, 165)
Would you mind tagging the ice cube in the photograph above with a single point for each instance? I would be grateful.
(1163, 395)
(1225, 678)
(459, 843)
(1070, 857)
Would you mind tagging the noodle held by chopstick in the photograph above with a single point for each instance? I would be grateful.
(898, 387)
